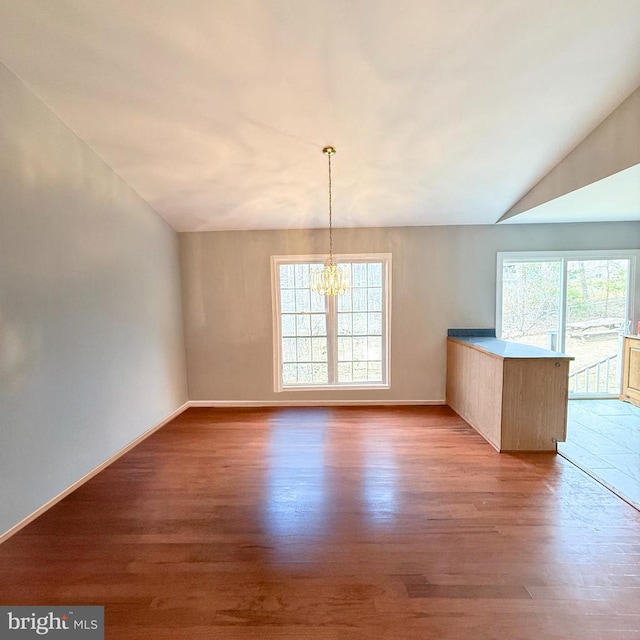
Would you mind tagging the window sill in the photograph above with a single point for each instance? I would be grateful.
(334, 387)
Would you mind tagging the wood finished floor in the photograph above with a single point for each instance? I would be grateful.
(603, 438)
(323, 524)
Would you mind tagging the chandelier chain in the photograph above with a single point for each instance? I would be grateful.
(330, 280)
(330, 216)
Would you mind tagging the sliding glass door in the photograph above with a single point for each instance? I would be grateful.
(531, 302)
(597, 309)
(579, 304)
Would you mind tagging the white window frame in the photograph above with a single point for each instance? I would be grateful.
(331, 314)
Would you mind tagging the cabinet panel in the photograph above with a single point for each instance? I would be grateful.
(631, 371)
(474, 389)
(534, 406)
(634, 369)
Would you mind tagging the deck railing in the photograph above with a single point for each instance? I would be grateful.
(596, 378)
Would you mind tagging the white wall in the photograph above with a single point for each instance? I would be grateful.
(91, 337)
(442, 277)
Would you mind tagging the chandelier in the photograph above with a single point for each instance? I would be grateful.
(331, 279)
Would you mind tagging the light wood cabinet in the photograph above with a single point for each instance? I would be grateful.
(631, 370)
(515, 396)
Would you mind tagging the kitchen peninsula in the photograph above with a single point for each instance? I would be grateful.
(513, 394)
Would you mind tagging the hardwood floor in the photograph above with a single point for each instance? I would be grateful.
(341, 523)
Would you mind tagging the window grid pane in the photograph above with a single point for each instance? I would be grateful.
(288, 300)
(305, 373)
(345, 372)
(302, 276)
(345, 323)
(303, 325)
(289, 374)
(318, 325)
(374, 271)
(345, 349)
(288, 349)
(359, 324)
(303, 350)
(288, 324)
(320, 374)
(374, 302)
(359, 299)
(303, 301)
(374, 324)
(287, 276)
(359, 275)
(319, 349)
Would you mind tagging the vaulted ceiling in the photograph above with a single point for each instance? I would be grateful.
(216, 111)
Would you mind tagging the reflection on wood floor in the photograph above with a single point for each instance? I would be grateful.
(603, 438)
(332, 524)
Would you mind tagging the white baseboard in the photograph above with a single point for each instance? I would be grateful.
(25, 521)
(311, 403)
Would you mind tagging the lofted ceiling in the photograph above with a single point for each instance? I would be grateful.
(616, 197)
(216, 111)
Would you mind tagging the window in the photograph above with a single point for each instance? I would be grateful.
(341, 341)
(576, 302)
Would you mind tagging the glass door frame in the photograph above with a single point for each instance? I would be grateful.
(632, 309)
